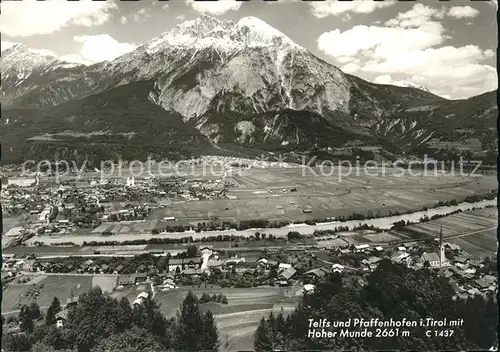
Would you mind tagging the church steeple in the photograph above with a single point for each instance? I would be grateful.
(442, 257)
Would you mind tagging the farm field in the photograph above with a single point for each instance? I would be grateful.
(261, 194)
(11, 296)
(474, 231)
(48, 287)
(106, 282)
(238, 319)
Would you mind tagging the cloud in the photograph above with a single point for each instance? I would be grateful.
(165, 7)
(462, 12)
(350, 68)
(102, 47)
(382, 41)
(410, 48)
(215, 8)
(27, 18)
(334, 8)
(180, 17)
(142, 14)
(419, 15)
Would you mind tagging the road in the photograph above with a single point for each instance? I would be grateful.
(78, 252)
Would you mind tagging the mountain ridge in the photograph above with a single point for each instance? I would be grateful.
(244, 83)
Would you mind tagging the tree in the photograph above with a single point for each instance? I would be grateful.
(205, 298)
(392, 291)
(16, 342)
(178, 270)
(192, 250)
(42, 347)
(26, 319)
(49, 335)
(189, 336)
(294, 235)
(54, 308)
(124, 314)
(131, 340)
(210, 340)
(34, 310)
(273, 273)
(262, 337)
(96, 317)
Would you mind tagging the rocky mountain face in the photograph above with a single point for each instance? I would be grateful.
(31, 79)
(217, 81)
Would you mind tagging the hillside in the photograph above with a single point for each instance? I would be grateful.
(121, 122)
(212, 81)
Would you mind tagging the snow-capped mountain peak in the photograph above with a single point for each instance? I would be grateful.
(412, 85)
(23, 60)
(224, 35)
(257, 32)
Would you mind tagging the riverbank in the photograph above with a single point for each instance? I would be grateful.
(383, 223)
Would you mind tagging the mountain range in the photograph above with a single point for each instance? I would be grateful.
(209, 83)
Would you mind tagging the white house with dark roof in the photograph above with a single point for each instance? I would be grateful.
(337, 268)
(61, 318)
(432, 258)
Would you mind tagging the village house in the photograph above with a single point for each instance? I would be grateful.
(401, 257)
(309, 289)
(118, 269)
(126, 280)
(315, 274)
(485, 282)
(206, 250)
(337, 268)
(61, 318)
(262, 262)
(361, 247)
(410, 245)
(371, 263)
(71, 301)
(235, 260)
(344, 251)
(453, 247)
(192, 271)
(431, 258)
(104, 268)
(461, 262)
(215, 263)
(283, 266)
(174, 263)
(285, 277)
(184, 263)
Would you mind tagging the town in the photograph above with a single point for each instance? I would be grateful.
(165, 236)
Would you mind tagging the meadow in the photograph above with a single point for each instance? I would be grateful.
(266, 194)
(237, 320)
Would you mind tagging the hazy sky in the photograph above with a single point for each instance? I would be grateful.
(450, 47)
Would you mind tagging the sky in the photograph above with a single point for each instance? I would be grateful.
(448, 47)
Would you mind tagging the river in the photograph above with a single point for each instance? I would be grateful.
(382, 223)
